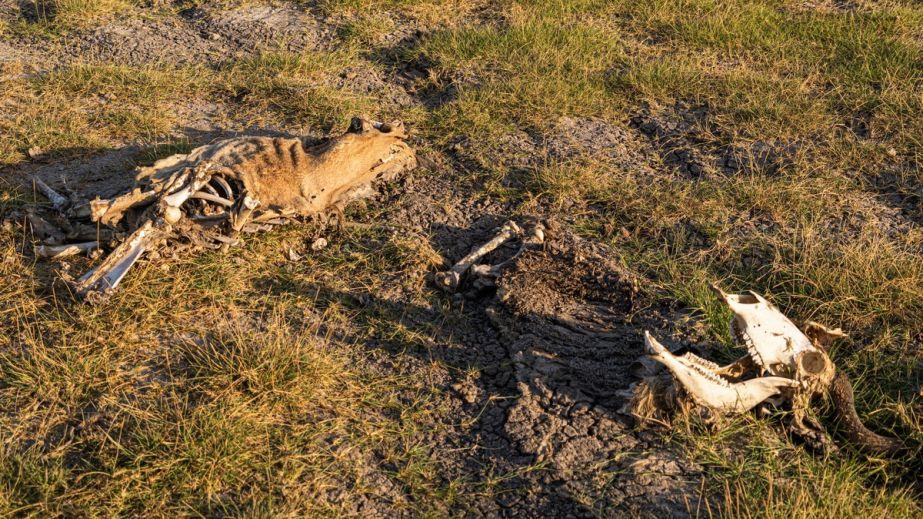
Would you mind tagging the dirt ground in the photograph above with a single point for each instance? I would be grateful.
(530, 378)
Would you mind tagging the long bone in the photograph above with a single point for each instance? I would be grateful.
(450, 279)
(63, 251)
(700, 381)
(532, 238)
(107, 275)
(58, 201)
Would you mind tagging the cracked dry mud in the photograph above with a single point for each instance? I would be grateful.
(567, 323)
(554, 345)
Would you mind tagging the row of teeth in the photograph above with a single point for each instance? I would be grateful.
(704, 371)
(743, 337)
(704, 363)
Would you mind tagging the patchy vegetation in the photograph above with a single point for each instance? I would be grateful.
(772, 145)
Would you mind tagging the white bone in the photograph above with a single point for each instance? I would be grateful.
(63, 251)
(173, 201)
(58, 201)
(772, 340)
(245, 214)
(212, 198)
(110, 272)
(709, 389)
(450, 279)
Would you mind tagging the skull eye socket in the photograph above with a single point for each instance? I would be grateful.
(747, 299)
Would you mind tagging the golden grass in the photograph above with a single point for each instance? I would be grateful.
(230, 400)
(78, 14)
(86, 107)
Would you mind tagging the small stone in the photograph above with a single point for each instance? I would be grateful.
(35, 152)
(319, 244)
(892, 152)
(292, 255)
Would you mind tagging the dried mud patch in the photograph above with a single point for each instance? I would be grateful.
(11, 53)
(569, 318)
(254, 28)
(595, 138)
(105, 174)
(366, 81)
(519, 154)
(200, 35)
(684, 138)
(141, 42)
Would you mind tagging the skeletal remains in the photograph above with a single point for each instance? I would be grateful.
(783, 364)
(207, 197)
(246, 184)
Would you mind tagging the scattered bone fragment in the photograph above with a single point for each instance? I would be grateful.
(63, 251)
(107, 275)
(206, 198)
(319, 244)
(531, 238)
(450, 280)
(58, 201)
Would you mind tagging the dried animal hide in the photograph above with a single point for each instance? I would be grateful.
(244, 184)
(783, 365)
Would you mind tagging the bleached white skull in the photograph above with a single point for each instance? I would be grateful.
(783, 364)
(774, 343)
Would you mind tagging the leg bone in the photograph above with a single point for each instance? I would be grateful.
(450, 279)
(58, 201)
(110, 272)
(63, 251)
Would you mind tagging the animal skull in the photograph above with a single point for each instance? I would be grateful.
(774, 344)
(784, 365)
(244, 184)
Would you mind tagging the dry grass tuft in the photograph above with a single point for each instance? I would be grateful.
(80, 14)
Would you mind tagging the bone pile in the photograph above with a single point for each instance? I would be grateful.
(208, 197)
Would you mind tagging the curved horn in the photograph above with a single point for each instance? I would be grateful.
(844, 402)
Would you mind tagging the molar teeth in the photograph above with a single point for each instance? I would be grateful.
(706, 364)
